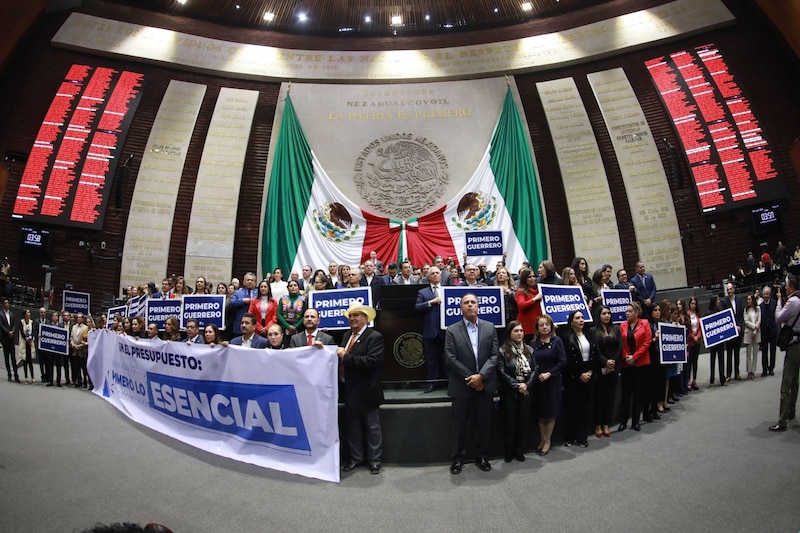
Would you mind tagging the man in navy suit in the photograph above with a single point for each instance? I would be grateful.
(645, 289)
(361, 356)
(248, 338)
(429, 304)
(471, 349)
(733, 346)
(769, 332)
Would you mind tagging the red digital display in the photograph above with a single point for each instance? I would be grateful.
(730, 161)
(71, 166)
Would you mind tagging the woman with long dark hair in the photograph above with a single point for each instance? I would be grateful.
(609, 348)
(264, 308)
(694, 339)
(515, 367)
(582, 363)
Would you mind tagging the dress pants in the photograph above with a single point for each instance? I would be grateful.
(360, 419)
(717, 354)
(10, 359)
(789, 384)
(65, 360)
(28, 362)
(54, 362)
(434, 359)
(516, 410)
(732, 348)
(751, 357)
(633, 380)
(479, 407)
(768, 349)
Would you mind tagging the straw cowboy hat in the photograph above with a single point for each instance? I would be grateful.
(357, 307)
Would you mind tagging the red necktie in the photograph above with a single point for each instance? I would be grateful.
(310, 340)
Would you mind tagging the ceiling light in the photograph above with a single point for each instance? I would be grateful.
(367, 19)
(526, 6)
(397, 20)
(182, 2)
(269, 17)
(427, 17)
(302, 17)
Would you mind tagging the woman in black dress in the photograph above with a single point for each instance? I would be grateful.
(515, 368)
(582, 363)
(717, 352)
(548, 351)
(609, 347)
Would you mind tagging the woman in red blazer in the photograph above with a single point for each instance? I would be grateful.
(636, 338)
(264, 308)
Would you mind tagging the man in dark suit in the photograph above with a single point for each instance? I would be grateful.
(645, 289)
(733, 346)
(7, 326)
(312, 336)
(42, 355)
(769, 331)
(471, 354)
(429, 304)
(361, 356)
(373, 280)
(193, 335)
(248, 338)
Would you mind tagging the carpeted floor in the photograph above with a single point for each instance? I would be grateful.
(68, 459)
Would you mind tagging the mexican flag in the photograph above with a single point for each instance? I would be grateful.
(309, 221)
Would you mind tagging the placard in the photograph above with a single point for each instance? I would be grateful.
(76, 302)
(491, 305)
(54, 339)
(331, 304)
(617, 300)
(205, 308)
(484, 243)
(158, 311)
(559, 301)
(672, 343)
(718, 328)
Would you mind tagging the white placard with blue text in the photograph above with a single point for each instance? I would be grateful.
(617, 300)
(331, 305)
(718, 328)
(272, 408)
(76, 302)
(491, 305)
(158, 311)
(205, 308)
(559, 301)
(54, 339)
(672, 343)
(484, 243)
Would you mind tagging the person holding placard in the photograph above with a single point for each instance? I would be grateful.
(733, 346)
(528, 300)
(716, 353)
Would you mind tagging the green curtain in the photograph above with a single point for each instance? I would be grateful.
(512, 165)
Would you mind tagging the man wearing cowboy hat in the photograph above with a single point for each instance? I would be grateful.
(361, 356)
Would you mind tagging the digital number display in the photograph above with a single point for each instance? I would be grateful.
(34, 241)
(74, 158)
(730, 160)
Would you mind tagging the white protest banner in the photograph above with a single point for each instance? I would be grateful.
(276, 409)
